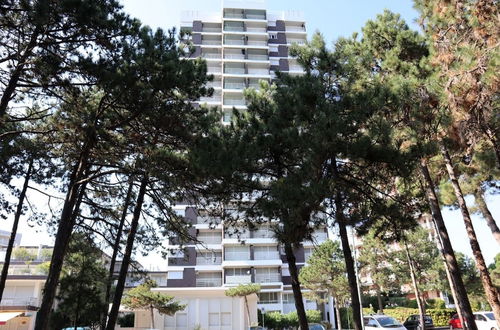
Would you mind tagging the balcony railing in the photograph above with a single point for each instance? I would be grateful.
(296, 41)
(211, 55)
(258, 57)
(213, 70)
(234, 86)
(255, 86)
(234, 102)
(233, 42)
(258, 71)
(234, 56)
(25, 271)
(204, 219)
(210, 240)
(263, 233)
(234, 28)
(212, 29)
(266, 255)
(15, 301)
(232, 15)
(295, 29)
(208, 282)
(260, 30)
(267, 278)
(208, 260)
(238, 279)
(211, 42)
(256, 43)
(234, 70)
(214, 84)
(296, 68)
(210, 99)
(254, 16)
(232, 256)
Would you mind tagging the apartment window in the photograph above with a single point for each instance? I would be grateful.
(288, 298)
(273, 36)
(268, 297)
(177, 254)
(285, 271)
(265, 252)
(175, 275)
(213, 319)
(237, 253)
(237, 271)
(210, 237)
(267, 275)
(308, 253)
(228, 115)
(225, 319)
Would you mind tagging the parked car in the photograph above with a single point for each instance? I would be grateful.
(315, 326)
(382, 321)
(485, 321)
(413, 322)
(455, 322)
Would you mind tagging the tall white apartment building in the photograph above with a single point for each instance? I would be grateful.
(242, 44)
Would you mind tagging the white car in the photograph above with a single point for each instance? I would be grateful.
(485, 321)
(373, 322)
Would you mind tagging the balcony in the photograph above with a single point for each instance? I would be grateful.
(234, 42)
(214, 70)
(211, 55)
(296, 41)
(263, 233)
(234, 28)
(212, 29)
(16, 301)
(238, 279)
(295, 29)
(257, 30)
(255, 16)
(269, 255)
(210, 240)
(234, 70)
(34, 270)
(214, 84)
(267, 278)
(234, 85)
(210, 99)
(237, 256)
(234, 56)
(210, 42)
(296, 68)
(256, 43)
(234, 102)
(234, 15)
(210, 260)
(208, 282)
(258, 71)
(257, 57)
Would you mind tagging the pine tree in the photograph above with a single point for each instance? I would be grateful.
(244, 290)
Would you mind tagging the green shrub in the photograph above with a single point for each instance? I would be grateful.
(346, 317)
(440, 317)
(276, 320)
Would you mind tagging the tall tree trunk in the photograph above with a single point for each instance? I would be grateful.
(337, 312)
(120, 286)
(13, 233)
(349, 264)
(379, 301)
(116, 248)
(297, 294)
(418, 296)
(248, 311)
(489, 288)
(66, 224)
(462, 300)
(16, 74)
(485, 211)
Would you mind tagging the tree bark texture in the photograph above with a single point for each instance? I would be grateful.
(489, 289)
(297, 294)
(337, 312)
(12, 239)
(116, 248)
(120, 286)
(418, 296)
(485, 211)
(462, 300)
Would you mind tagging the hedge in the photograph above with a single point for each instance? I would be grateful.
(440, 317)
(276, 320)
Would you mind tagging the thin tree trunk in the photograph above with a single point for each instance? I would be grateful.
(462, 300)
(297, 294)
(248, 311)
(489, 288)
(420, 304)
(16, 74)
(12, 239)
(66, 225)
(379, 301)
(113, 315)
(485, 211)
(151, 311)
(116, 248)
(349, 263)
(337, 311)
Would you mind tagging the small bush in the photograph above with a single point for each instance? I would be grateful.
(276, 320)
(440, 317)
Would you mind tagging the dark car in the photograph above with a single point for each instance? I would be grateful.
(455, 322)
(413, 322)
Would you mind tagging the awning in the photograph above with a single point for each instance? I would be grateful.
(5, 316)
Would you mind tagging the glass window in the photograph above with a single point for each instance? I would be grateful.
(175, 275)
(479, 317)
(268, 297)
(237, 271)
(181, 320)
(490, 316)
(225, 319)
(213, 319)
(288, 298)
(388, 322)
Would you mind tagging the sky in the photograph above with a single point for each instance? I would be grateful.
(334, 19)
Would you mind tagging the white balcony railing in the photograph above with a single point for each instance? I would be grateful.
(234, 102)
(254, 16)
(256, 43)
(212, 29)
(209, 260)
(258, 71)
(296, 41)
(210, 99)
(210, 240)
(270, 255)
(213, 70)
(15, 301)
(238, 279)
(234, 28)
(234, 56)
(231, 15)
(214, 84)
(208, 282)
(211, 42)
(234, 70)
(267, 278)
(33, 270)
(232, 256)
(257, 57)
(260, 30)
(233, 42)
(234, 86)
(211, 55)
(263, 233)
(255, 86)
(295, 68)
(295, 29)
